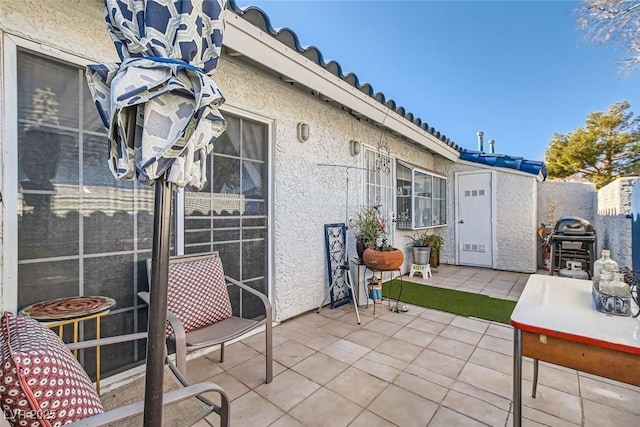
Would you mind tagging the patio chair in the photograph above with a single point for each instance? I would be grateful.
(43, 384)
(199, 311)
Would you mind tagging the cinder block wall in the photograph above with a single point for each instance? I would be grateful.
(613, 220)
(608, 209)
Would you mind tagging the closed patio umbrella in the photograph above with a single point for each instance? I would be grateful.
(160, 109)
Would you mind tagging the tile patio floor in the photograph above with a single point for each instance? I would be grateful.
(419, 368)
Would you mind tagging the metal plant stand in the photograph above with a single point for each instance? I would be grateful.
(341, 289)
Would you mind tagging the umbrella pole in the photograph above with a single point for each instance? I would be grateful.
(158, 304)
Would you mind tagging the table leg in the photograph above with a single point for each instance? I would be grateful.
(98, 356)
(75, 337)
(517, 377)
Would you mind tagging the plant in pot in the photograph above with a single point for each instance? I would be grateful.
(370, 232)
(436, 242)
(421, 243)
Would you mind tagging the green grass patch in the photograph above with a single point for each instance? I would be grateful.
(452, 301)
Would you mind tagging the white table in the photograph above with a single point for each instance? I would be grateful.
(555, 321)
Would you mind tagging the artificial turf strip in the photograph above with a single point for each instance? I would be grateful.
(449, 300)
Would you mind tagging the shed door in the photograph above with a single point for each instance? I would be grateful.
(474, 226)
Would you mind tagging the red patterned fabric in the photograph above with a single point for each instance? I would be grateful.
(41, 383)
(198, 293)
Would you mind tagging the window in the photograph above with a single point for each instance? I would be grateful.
(230, 214)
(79, 231)
(422, 198)
(379, 188)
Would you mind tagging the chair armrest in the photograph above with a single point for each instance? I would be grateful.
(263, 297)
(179, 333)
(107, 341)
(175, 396)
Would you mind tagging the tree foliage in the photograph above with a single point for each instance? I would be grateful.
(615, 21)
(606, 148)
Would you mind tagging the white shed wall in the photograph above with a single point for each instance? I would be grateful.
(514, 219)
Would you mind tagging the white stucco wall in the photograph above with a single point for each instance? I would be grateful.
(558, 198)
(304, 195)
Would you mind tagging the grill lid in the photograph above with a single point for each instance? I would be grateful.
(573, 226)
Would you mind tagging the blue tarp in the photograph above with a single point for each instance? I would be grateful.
(533, 167)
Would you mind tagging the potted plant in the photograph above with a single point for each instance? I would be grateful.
(421, 248)
(367, 230)
(370, 232)
(436, 242)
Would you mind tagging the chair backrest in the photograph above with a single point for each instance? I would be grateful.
(41, 383)
(197, 292)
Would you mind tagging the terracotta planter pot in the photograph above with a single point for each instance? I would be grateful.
(387, 260)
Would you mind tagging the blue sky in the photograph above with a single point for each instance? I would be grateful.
(517, 70)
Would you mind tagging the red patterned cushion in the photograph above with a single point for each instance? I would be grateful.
(41, 383)
(198, 293)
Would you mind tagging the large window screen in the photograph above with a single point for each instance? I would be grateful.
(80, 232)
(230, 214)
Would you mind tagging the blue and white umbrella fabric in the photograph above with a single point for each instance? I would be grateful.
(160, 109)
(169, 50)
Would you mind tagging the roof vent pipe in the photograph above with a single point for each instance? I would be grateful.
(480, 145)
(492, 146)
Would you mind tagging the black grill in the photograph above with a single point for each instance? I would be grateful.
(573, 238)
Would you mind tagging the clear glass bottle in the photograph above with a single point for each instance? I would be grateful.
(618, 287)
(604, 264)
(605, 281)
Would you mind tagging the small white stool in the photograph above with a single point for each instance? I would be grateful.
(424, 270)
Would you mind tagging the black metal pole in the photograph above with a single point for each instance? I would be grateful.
(158, 304)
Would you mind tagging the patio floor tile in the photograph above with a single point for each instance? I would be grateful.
(399, 349)
(599, 415)
(324, 408)
(287, 421)
(291, 353)
(423, 367)
(414, 336)
(422, 387)
(438, 362)
(287, 389)
(253, 410)
(451, 347)
(378, 369)
(320, 368)
(402, 407)
(462, 335)
(611, 395)
(475, 408)
(366, 338)
(445, 417)
(556, 403)
(488, 379)
(357, 386)
(369, 419)
(474, 325)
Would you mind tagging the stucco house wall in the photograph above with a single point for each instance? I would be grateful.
(305, 195)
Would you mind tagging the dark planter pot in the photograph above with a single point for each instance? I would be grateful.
(361, 245)
(383, 260)
(434, 260)
(421, 254)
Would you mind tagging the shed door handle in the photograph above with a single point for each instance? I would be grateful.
(461, 221)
